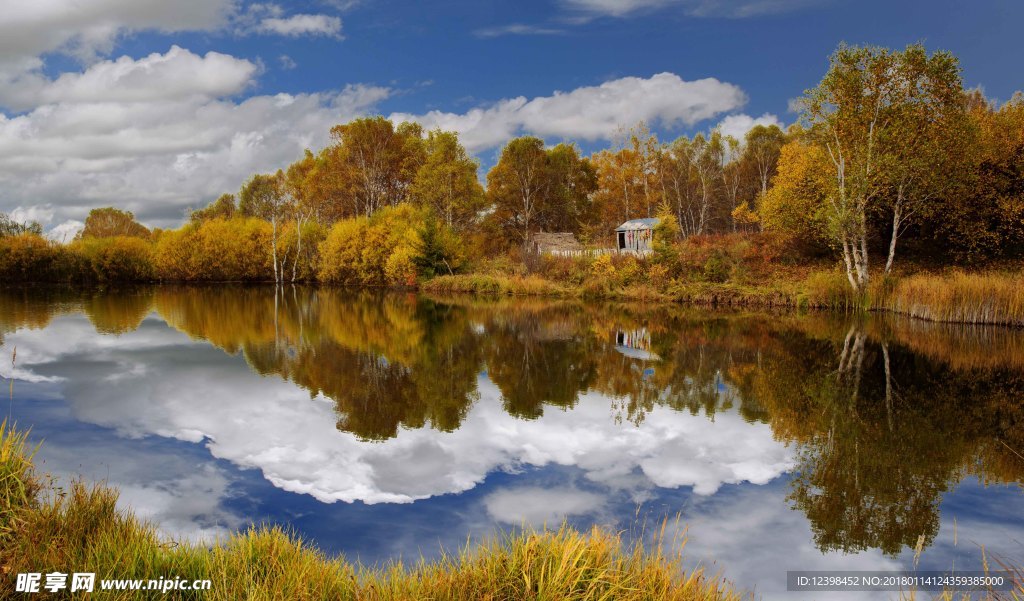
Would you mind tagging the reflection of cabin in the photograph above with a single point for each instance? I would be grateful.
(635, 344)
(555, 243)
(635, 236)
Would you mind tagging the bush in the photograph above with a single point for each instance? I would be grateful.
(717, 267)
(31, 258)
(117, 259)
(378, 251)
(219, 250)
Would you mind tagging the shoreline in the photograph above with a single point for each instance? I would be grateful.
(994, 298)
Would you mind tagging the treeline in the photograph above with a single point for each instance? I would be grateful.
(891, 156)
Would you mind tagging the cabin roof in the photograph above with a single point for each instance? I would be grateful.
(646, 223)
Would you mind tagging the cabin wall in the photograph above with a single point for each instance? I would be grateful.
(638, 241)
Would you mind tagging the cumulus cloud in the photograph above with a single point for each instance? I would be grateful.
(86, 28)
(592, 112)
(155, 135)
(174, 75)
(299, 25)
(42, 215)
(737, 126)
(274, 426)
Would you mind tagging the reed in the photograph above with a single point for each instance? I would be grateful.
(81, 529)
(958, 297)
(496, 285)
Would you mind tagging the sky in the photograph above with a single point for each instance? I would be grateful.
(159, 107)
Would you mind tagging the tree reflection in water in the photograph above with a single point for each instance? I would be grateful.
(886, 414)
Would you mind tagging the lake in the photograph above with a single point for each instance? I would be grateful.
(390, 425)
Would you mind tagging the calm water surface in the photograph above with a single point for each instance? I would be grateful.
(381, 426)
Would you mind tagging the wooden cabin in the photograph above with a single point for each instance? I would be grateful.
(635, 236)
(555, 243)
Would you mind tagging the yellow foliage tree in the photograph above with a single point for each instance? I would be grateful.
(793, 207)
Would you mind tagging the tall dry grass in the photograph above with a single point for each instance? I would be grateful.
(497, 285)
(958, 297)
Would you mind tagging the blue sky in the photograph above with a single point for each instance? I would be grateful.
(161, 106)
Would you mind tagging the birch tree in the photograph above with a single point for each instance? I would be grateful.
(879, 114)
(263, 197)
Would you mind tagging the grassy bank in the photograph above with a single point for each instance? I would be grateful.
(44, 530)
(989, 298)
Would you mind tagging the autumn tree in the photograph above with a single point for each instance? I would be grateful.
(794, 208)
(447, 181)
(926, 122)
(263, 196)
(372, 163)
(519, 187)
(982, 216)
(10, 227)
(222, 208)
(763, 144)
(109, 222)
(628, 184)
(860, 114)
(619, 190)
(675, 177)
(302, 201)
(574, 180)
(731, 172)
(705, 160)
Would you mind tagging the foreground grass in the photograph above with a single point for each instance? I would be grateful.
(43, 529)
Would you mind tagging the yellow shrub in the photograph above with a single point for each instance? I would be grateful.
(117, 259)
(603, 267)
(216, 250)
(31, 258)
(399, 268)
(377, 251)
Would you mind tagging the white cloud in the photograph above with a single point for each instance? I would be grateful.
(30, 28)
(694, 8)
(40, 214)
(737, 126)
(744, 532)
(287, 62)
(516, 29)
(537, 506)
(590, 113)
(616, 8)
(174, 75)
(66, 231)
(298, 25)
(156, 135)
